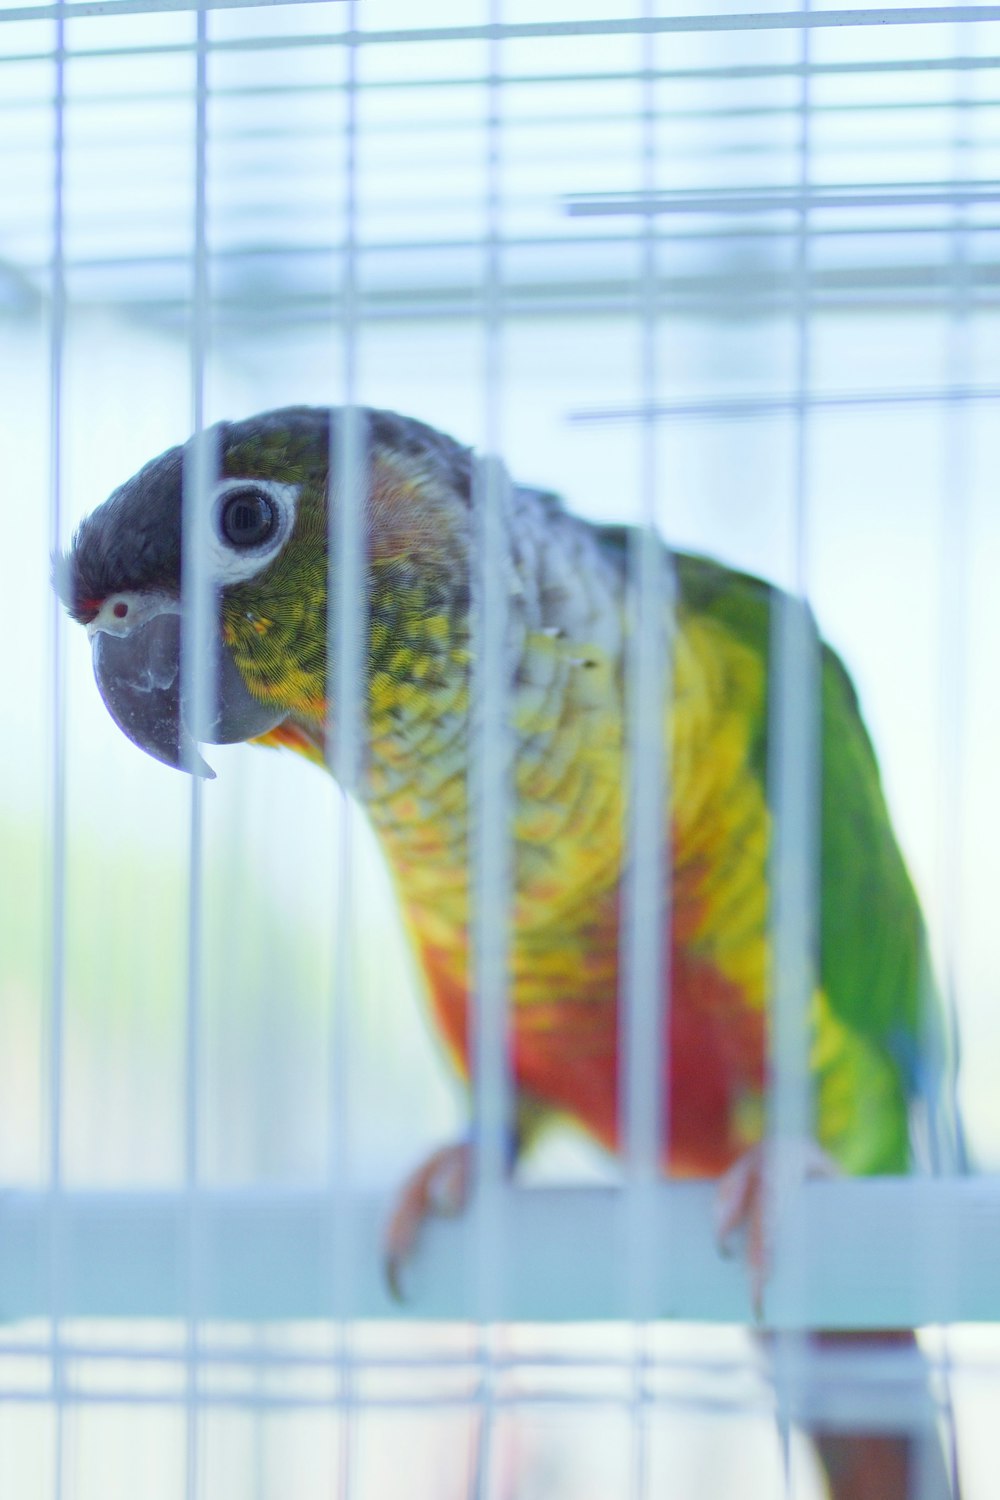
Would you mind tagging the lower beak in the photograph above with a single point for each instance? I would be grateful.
(139, 677)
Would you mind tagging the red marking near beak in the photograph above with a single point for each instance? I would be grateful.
(87, 610)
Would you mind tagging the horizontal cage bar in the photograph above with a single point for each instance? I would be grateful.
(877, 1253)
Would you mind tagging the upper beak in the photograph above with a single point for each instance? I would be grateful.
(139, 677)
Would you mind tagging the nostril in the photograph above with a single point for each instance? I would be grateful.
(120, 610)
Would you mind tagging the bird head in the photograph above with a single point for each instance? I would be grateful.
(263, 528)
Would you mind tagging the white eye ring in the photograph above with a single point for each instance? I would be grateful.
(230, 561)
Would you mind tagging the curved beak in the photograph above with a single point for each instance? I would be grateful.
(139, 678)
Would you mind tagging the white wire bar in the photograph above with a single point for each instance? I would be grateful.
(55, 1261)
(914, 15)
(896, 1408)
(843, 1392)
(739, 71)
(885, 1391)
(944, 1141)
(918, 288)
(198, 692)
(793, 199)
(955, 532)
(347, 607)
(490, 794)
(794, 873)
(346, 613)
(644, 945)
(739, 408)
(490, 788)
(644, 1107)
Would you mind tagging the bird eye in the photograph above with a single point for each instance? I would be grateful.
(248, 518)
(252, 519)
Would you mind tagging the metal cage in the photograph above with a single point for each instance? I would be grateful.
(730, 276)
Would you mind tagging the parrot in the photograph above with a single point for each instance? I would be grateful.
(565, 583)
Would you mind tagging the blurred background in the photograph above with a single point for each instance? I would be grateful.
(883, 300)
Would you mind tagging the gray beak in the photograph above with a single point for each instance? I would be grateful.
(139, 677)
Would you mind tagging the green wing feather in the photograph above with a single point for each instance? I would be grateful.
(872, 935)
(872, 959)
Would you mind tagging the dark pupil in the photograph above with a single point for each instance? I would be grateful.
(247, 519)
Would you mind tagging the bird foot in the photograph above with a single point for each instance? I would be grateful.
(741, 1203)
(439, 1188)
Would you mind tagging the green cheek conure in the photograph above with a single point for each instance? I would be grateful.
(566, 668)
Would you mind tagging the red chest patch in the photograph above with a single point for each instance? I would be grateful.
(565, 1055)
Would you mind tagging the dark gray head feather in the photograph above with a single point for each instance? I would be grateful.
(133, 541)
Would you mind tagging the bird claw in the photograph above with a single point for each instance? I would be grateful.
(741, 1203)
(438, 1189)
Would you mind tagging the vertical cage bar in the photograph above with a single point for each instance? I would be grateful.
(643, 1001)
(491, 790)
(645, 960)
(938, 1017)
(491, 805)
(58, 843)
(490, 749)
(347, 631)
(197, 694)
(945, 1135)
(794, 793)
(794, 740)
